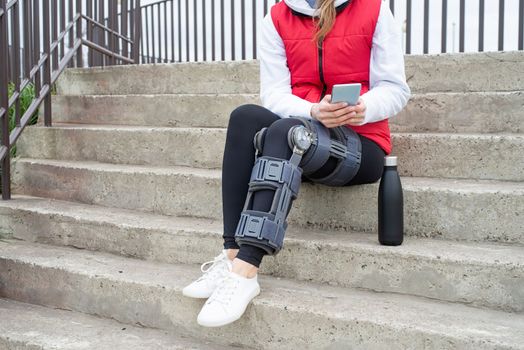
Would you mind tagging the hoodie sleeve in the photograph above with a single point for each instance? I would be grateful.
(389, 92)
(275, 78)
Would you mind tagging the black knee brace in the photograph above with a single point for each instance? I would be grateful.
(312, 145)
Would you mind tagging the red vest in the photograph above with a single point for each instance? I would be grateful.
(344, 57)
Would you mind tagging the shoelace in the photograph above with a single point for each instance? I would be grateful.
(225, 291)
(213, 267)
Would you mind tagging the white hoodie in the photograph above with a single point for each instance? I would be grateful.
(388, 94)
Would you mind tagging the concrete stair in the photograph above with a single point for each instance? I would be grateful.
(493, 71)
(447, 208)
(59, 329)
(490, 274)
(315, 316)
(481, 156)
(119, 201)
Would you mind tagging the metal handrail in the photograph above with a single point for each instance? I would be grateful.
(196, 30)
(44, 68)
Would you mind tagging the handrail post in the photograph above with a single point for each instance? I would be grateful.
(79, 61)
(137, 30)
(4, 101)
(47, 65)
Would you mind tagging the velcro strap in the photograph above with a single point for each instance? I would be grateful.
(276, 170)
(260, 225)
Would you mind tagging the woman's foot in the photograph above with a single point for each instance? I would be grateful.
(213, 273)
(229, 300)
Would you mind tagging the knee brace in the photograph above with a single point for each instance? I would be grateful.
(266, 229)
(312, 145)
(341, 143)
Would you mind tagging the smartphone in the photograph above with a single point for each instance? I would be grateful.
(346, 93)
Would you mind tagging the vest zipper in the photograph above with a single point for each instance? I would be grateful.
(321, 71)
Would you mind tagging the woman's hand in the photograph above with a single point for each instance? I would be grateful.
(337, 114)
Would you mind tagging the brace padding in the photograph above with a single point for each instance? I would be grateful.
(340, 142)
(266, 230)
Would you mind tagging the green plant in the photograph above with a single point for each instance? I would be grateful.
(27, 95)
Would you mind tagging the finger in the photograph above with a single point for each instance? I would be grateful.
(360, 109)
(355, 121)
(337, 113)
(335, 116)
(343, 119)
(331, 107)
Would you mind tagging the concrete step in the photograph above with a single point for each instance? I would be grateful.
(489, 275)
(502, 71)
(30, 327)
(181, 110)
(475, 112)
(472, 112)
(466, 156)
(451, 209)
(470, 156)
(286, 315)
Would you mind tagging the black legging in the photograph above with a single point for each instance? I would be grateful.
(239, 157)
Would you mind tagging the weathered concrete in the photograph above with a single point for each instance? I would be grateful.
(493, 71)
(433, 207)
(181, 110)
(194, 78)
(196, 147)
(473, 112)
(488, 71)
(470, 156)
(479, 274)
(286, 315)
(28, 327)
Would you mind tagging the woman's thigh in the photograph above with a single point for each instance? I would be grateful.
(371, 163)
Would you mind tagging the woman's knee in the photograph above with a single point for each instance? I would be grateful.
(280, 128)
(275, 141)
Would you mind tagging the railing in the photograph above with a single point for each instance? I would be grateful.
(214, 30)
(50, 32)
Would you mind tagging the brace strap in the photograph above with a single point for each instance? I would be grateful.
(263, 229)
(266, 230)
(272, 173)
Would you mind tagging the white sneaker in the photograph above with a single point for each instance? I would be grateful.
(206, 284)
(229, 300)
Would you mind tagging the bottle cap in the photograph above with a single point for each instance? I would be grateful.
(390, 161)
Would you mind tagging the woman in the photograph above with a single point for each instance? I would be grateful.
(306, 47)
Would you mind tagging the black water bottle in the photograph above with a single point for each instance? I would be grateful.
(390, 205)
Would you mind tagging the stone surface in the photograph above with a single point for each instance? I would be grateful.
(141, 145)
(28, 327)
(456, 209)
(469, 156)
(472, 112)
(490, 275)
(490, 71)
(119, 247)
(195, 78)
(286, 315)
(179, 110)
